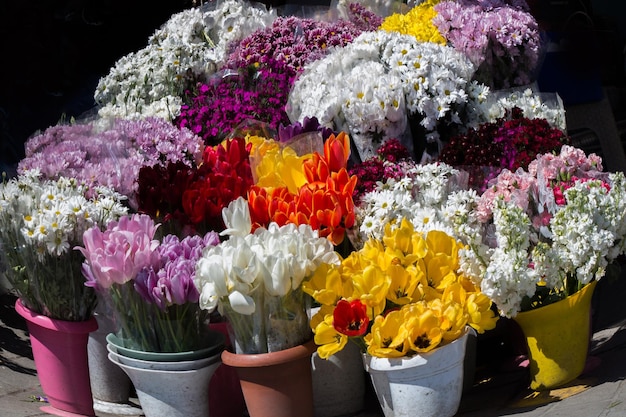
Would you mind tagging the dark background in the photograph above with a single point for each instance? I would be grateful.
(53, 52)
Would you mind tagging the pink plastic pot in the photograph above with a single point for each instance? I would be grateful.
(60, 354)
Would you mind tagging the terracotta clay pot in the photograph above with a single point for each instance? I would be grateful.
(276, 384)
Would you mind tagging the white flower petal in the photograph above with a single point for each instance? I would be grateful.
(241, 303)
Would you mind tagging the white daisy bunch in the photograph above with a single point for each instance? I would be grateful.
(431, 196)
(51, 215)
(190, 46)
(373, 105)
(41, 222)
(434, 79)
(534, 104)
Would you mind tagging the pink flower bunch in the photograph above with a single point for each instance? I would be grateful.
(540, 189)
(117, 254)
(501, 37)
(569, 162)
(512, 186)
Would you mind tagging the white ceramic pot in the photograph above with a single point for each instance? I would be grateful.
(110, 386)
(169, 393)
(425, 385)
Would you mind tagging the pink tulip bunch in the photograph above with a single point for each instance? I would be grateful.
(117, 254)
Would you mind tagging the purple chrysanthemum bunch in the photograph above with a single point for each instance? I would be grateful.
(111, 157)
(309, 124)
(297, 41)
(501, 37)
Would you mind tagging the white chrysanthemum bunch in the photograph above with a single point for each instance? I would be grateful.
(190, 46)
(429, 195)
(535, 105)
(371, 86)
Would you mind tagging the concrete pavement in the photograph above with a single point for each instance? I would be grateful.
(500, 381)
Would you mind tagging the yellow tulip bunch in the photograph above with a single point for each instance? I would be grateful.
(276, 165)
(397, 296)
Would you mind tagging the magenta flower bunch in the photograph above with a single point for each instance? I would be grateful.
(510, 142)
(232, 97)
(148, 284)
(110, 156)
(501, 37)
(256, 78)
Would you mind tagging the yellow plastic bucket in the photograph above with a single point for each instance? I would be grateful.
(557, 336)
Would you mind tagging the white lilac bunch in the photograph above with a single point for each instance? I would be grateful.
(431, 196)
(41, 223)
(508, 278)
(373, 86)
(534, 105)
(189, 47)
(549, 231)
(254, 279)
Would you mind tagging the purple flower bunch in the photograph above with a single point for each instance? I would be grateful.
(501, 37)
(297, 41)
(113, 156)
(231, 97)
(149, 285)
(308, 125)
(171, 282)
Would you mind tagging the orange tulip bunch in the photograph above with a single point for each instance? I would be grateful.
(322, 198)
